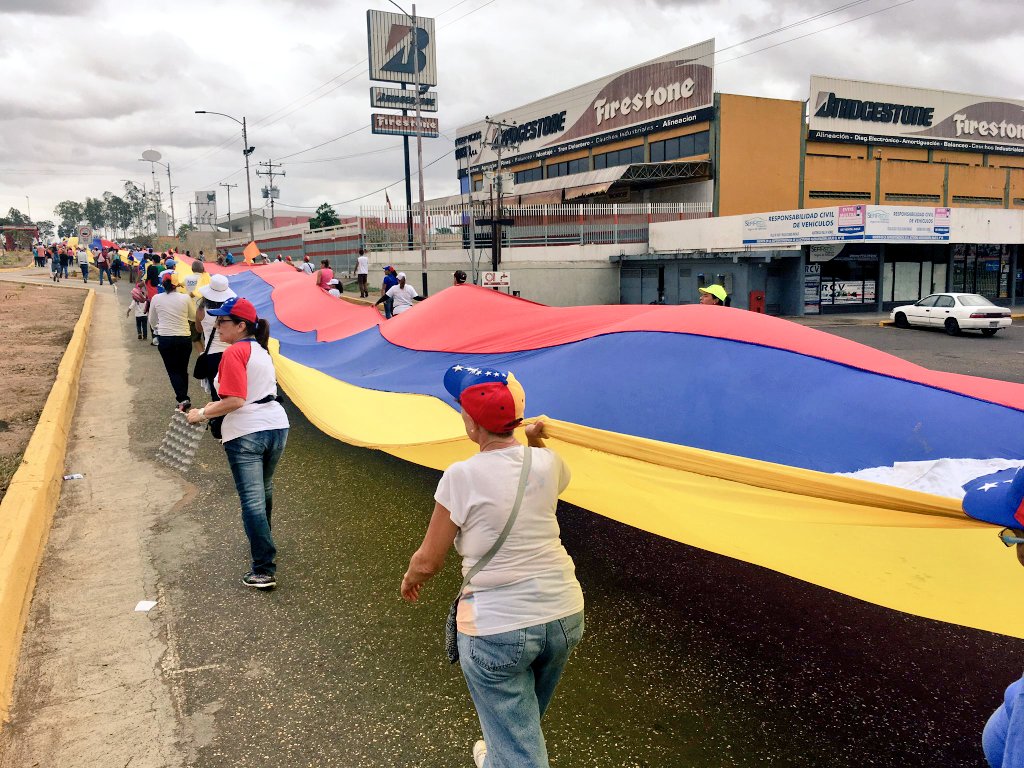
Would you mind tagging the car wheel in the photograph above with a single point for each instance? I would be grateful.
(952, 327)
(901, 320)
(989, 331)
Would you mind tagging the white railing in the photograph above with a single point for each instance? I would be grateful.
(465, 226)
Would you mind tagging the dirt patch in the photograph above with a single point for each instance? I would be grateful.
(36, 324)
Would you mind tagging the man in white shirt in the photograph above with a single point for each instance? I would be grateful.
(307, 266)
(363, 273)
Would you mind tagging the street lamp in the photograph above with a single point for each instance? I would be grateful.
(246, 150)
(415, 52)
(151, 156)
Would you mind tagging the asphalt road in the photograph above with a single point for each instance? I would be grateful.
(690, 659)
(998, 357)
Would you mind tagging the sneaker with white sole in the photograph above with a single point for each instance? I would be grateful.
(259, 580)
(479, 753)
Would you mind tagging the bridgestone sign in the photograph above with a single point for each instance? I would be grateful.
(849, 111)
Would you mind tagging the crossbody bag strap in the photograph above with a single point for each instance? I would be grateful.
(483, 561)
(210, 342)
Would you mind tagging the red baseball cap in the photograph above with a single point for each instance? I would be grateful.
(495, 400)
(236, 307)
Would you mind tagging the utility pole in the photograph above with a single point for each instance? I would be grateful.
(170, 193)
(270, 165)
(228, 187)
(190, 213)
(497, 144)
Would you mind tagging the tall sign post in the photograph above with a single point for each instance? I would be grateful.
(401, 49)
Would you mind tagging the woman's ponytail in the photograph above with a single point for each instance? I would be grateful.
(262, 332)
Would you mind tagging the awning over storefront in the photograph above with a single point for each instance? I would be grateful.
(601, 181)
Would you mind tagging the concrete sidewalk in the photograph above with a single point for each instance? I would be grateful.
(92, 684)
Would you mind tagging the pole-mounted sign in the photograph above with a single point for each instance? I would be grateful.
(396, 98)
(403, 125)
(396, 53)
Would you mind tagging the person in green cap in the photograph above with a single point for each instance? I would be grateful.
(713, 294)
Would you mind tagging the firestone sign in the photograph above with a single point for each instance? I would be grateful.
(871, 113)
(671, 91)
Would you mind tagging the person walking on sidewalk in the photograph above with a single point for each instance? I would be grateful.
(83, 263)
(363, 273)
(520, 610)
(169, 316)
(103, 264)
(54, 265)
(140, 306)
(63, 257)
(255, 427)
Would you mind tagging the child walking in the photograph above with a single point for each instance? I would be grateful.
(140, 305)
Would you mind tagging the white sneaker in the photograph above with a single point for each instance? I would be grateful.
(479, 753)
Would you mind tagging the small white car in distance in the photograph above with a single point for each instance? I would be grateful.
(954, 312)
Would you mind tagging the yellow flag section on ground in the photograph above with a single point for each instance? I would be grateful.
(909, 551)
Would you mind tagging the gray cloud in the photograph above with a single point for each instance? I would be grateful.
(83, 113)
(47, 7)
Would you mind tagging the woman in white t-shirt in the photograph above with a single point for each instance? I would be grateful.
(255, 428)
(519, 617)
(403, 295)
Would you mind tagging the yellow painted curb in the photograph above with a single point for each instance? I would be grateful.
(27, 510)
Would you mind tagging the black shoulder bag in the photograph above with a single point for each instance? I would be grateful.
(200, 372)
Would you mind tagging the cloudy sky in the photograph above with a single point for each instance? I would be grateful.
(88, 85)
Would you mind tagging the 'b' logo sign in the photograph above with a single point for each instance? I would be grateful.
(401, 50)
(409, 56)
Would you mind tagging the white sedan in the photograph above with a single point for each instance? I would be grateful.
(954, 312)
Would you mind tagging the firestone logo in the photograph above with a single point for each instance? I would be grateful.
(606, 110)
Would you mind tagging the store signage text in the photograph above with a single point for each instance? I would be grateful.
(605, 109)
(874, 111)
(395, 98)
(849, 223)
(1002, 129)
(544, 126)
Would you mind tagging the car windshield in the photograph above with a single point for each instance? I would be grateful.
(974, 300)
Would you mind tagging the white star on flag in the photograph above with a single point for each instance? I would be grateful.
(457, 368)
(988, 486)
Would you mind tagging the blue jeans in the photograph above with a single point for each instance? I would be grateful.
(105, 271)
(389, 307)
(253, 458)
(85, 272)
(512, 677)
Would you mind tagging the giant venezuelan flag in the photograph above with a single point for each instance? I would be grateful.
(715, 427)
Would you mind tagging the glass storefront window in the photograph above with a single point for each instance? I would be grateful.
(981, 268)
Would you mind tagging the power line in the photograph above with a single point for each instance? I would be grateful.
(826, 29)
(376, 191)
(346, 157)
(329, 141)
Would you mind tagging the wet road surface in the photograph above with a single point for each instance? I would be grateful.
(690, 659)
